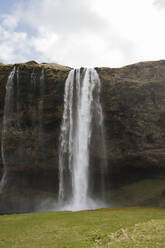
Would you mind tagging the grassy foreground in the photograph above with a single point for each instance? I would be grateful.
(117, 228)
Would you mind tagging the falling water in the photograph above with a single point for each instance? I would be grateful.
(81, 104)
(40, 111)
(12, 118)
(7, 121)
(42, 90)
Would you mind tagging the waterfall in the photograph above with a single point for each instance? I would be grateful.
(12, 119)
(41, 102)
(41, 111)
(81, 107)
(7, 122)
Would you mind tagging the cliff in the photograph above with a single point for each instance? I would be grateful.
(31, 141)
(133, 100)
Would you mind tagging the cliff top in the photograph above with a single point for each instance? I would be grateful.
(67, 68)
(46, 65)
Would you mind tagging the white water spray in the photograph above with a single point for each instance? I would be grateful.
(41, 105)
(81, 103)
(7, 120)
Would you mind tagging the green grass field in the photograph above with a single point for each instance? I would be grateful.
(117, 228)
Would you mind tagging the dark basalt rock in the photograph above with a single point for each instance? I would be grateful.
(133, 100)
(24, 150)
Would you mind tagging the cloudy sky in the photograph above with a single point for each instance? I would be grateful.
(82, 32)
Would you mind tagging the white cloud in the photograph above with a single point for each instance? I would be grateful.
(160, 3)
(62, 16)
(11, 44)
(9, 21)
(15, 46)
(84, 33)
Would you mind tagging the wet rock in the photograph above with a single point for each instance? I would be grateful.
(133, 100)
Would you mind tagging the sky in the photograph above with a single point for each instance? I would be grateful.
(78, 33)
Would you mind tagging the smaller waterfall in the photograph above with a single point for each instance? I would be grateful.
(41, 112)
(41, 102)
(13, 116)
(81, 105)
(32, 97)
(7, 122)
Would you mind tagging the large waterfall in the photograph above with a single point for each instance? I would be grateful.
(82, 112)
(82, 154)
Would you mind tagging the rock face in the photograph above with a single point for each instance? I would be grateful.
(31, 142)
(133, 100)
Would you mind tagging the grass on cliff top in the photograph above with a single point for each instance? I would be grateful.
(129, 227)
